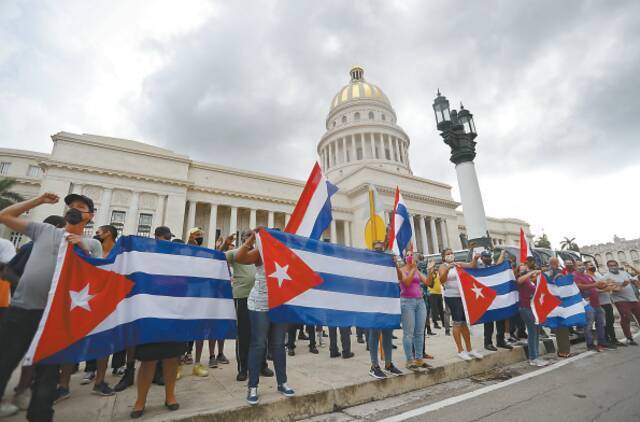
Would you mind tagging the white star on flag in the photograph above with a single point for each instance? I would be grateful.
(478, 291)
(541, 298)
(281, 274)
(80, 299)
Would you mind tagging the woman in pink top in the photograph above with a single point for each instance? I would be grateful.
(413, 312)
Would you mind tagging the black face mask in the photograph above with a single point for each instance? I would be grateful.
(98, 238)
(73, 216)
(199, 240)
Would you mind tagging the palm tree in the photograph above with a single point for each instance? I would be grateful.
(543, 242)
(7, 197)
(569, 244)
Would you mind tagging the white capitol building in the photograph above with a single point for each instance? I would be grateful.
(137, 186)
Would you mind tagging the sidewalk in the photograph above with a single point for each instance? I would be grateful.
(321, 384)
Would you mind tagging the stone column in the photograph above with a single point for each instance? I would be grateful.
(434, 236)
(347, 232)
(333, 232)
(159, 217)
(344, 150)
(287, 217)
(423, 235)
(373, 146)
(270, 220)
(103, 213)
(413, 232)
(213, 225)
(445, 228)
(354, 154)
(233, 220)
(252, 218)
(443, 234)
(131, 224)
(191, 218)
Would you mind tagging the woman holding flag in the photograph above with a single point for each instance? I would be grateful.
(453, 299)
(526, 288)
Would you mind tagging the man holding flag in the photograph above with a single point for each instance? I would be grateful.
(19, 326)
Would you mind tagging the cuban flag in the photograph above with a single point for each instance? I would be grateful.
(319, 283)
(400, 234)
(312, 214)
(488, 294)
(525, 249)
(571, 310)
(543, 301)
(145, 291)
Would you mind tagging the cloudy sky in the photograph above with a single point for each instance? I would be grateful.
(554, 88)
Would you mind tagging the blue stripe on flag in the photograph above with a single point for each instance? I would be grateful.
(487, 271)
(147, 330)
(566, 280)
(179, 286)
(556, 322)
(570, 300)
(342, 284)
(317, 316)
(498, 314)
(295, 242)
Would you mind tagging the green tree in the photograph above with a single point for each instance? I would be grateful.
(7, 196)
(543, 242)
(569, 244)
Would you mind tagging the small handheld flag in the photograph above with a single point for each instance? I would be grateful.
(525, 249)
(400, 234)
(312, 214)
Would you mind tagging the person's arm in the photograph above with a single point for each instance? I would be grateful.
(10, 216)
(408, 277)
(245, 254)
(472, 264)
(500, 258)
(429, 280)
(443, 271)
(526, 277)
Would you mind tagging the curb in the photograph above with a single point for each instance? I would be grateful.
(327, 401)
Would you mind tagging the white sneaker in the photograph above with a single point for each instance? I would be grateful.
(22, 399)
(465, 356)
(88, 378)
(533, 362)
(8, 409)
(541, 362)
(475, 354)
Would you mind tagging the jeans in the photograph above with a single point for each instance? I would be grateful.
(264, 331)
(414, 315)
(387, 348)
(609, 330)
(627, 311)
(595, 313)
(17, 329)
(532, 331)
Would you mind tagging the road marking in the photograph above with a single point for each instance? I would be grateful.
(484, 390)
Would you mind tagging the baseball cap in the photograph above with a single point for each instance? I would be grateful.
(76, 197)
(485, 253)
(162, 231)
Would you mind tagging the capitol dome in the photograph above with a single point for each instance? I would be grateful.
(362, 130)
(358, 89)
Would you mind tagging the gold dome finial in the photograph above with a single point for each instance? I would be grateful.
(357, 73)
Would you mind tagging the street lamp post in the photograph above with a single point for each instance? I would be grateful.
(458, 130)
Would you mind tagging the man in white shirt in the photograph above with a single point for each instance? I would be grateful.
(624, 298)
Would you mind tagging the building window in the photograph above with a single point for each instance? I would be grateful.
(4, 168)
(334, 123)
(387, 154)
(344, 119)
(117, 220)
(371, 115)
(356, 116)
(622, 257)
(383, 117)
(33, 171)
(608, 256)
(634, 255)
(144, 224)
(359, 154)
(15, 238)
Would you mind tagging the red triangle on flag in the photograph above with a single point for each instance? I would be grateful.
(287, 274)
(543, 301)
(85, 295)
(476, 296)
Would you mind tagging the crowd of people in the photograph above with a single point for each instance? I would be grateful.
(430, 300)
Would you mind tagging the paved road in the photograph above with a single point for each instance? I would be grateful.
(599, 387)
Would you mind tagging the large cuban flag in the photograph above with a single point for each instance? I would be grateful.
(571, 310)
(400, 233)
(312, 214)
(320, 283)
(488, 294)
(145, 291)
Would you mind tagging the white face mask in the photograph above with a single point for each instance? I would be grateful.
(449, 258)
